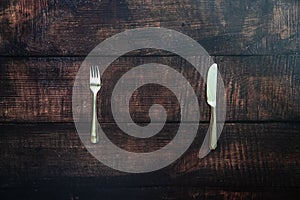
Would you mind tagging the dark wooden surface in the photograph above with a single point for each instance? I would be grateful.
(253, 159)
(256, 45)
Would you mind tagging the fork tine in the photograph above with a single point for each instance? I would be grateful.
(97, 71)
(91, 71)
(94, 71)
(92, 68)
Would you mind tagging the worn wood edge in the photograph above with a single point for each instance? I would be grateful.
(157, 192)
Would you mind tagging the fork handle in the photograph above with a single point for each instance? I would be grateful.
(213, 129)
(94, 135)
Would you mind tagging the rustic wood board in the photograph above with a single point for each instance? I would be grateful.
(258, 88)
(148, 193)
(46, 27)
(254, 159)
(253, 154)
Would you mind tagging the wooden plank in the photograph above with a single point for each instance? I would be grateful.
(61, 191)
(249, 157)
(45, 27)
(258, 88)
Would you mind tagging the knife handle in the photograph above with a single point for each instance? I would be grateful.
(213, 129)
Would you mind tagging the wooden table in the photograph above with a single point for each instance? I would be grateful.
(256, 45)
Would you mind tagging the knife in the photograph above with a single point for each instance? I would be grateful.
(211, 92)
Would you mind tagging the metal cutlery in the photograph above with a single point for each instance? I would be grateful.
(211, 92)
(95, 85)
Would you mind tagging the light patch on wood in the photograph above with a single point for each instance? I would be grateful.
(251, 23)
(220, 7)
(285, 20)
(23, 10)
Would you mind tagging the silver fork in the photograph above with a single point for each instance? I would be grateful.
(95, 85)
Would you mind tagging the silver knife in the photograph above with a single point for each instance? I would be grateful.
(211, 92)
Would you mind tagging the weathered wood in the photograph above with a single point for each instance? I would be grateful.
(46, 27)
(65, 190)
(258, 88)
(249, 156)
(256, 45)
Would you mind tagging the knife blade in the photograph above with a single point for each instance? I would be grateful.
(211, 93)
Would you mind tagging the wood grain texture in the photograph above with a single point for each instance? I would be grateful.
(258, 88)
(256, 45)
(254, 160)
(72, 191)
(47, 27)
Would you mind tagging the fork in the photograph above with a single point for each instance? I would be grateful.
(95, 85)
